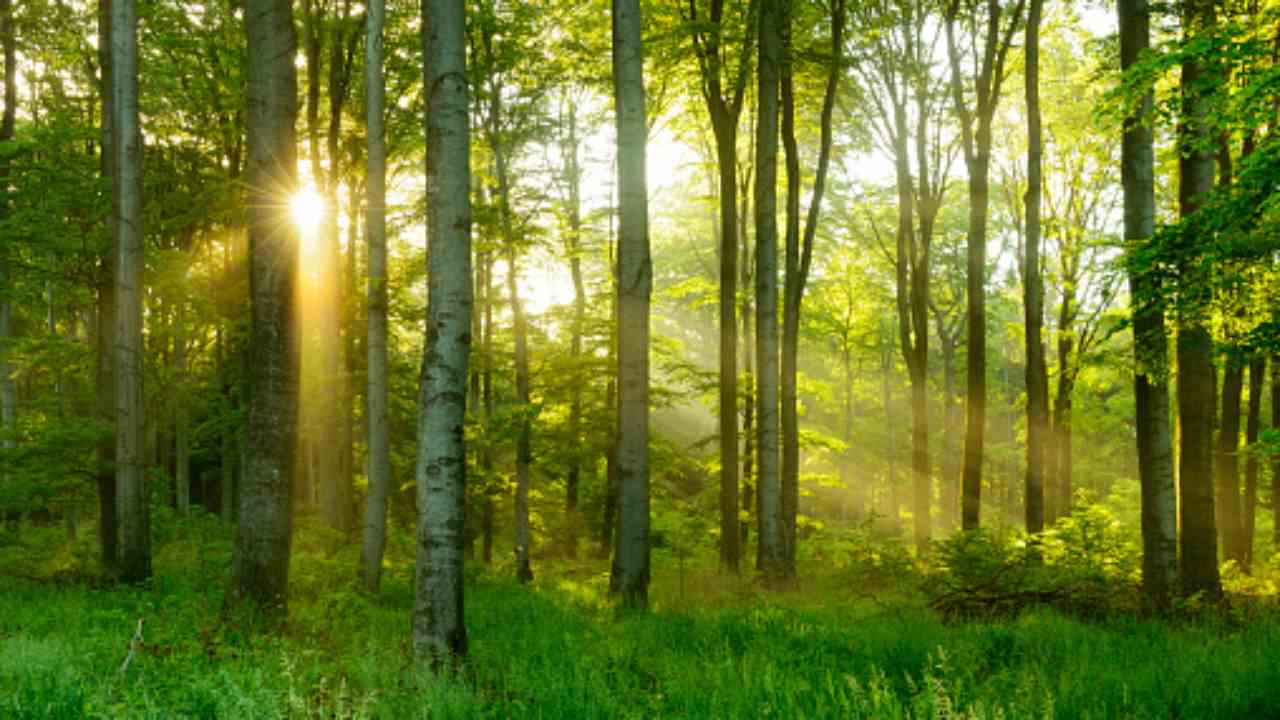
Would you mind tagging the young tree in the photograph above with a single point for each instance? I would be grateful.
(630, 578)
(899, 71)
(976, 116)
(1033, 287)
(375, 523)
(439, 635)
(131, 488)
(710, 36)
(799, 258)
(264, 535)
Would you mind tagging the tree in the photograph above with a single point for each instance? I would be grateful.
(1033, 287)
(264, 535)
(439, 635)
(8, 395)
(799, 255)
(907, 101)
(375, 523)
(710, 36)
(772, 542)
(975, 132)
(1196, 375)
(131, 488)
(630, 577)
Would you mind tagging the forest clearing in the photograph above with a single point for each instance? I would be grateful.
(640, 359)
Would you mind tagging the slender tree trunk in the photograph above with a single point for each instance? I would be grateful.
(439, 634)
(1257, 377)
(375, 521)
(1037, 382)
(182, 431)
(8, 394)
(131, 490)
(951, 420)
(524, 453)
(573, 176)
(1227, 466)
(487, 401)
(108, 526)
(1196, 375)
(1151, 390)
(799, 254)
(1275, 458)
(726, 155)
(886, 399)
(772, 540)
(264, 534)
(630, 578)
(608, 534)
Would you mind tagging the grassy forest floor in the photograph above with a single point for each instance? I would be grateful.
(711, 647)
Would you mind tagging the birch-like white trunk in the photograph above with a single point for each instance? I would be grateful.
(375, 521)
(439, 635)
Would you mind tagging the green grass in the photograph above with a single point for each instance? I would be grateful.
(557, 650)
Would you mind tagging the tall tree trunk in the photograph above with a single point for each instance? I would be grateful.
(264, 534)
(1227, 466)
(799, 256)
(131, 490)
(108, 526)
(1196, 375)
(8, 394)
(1257, 377)
(749, 489)
(975, 126)
(1037, 381)
(1151, 389)
(772, 541)
(439, 634)
(375, 520)
(630, 578)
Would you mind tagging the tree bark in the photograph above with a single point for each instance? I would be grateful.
(724, 114)
(1037, 381)
(108, 526)
(1257, 378)
(1196, 376)
(375, 522)
(264, 534)
(8, 394)
(439, 634)
(799, 256)
(630, 578)
(524, 453)
(131, 489)
(1227, 466)
(975, 127)
(182, 429)
(772, 540)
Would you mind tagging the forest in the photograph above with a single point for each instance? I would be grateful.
(640, 359)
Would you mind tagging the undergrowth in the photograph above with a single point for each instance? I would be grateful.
(711, 647)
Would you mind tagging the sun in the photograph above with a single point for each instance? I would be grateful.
(307, 209)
